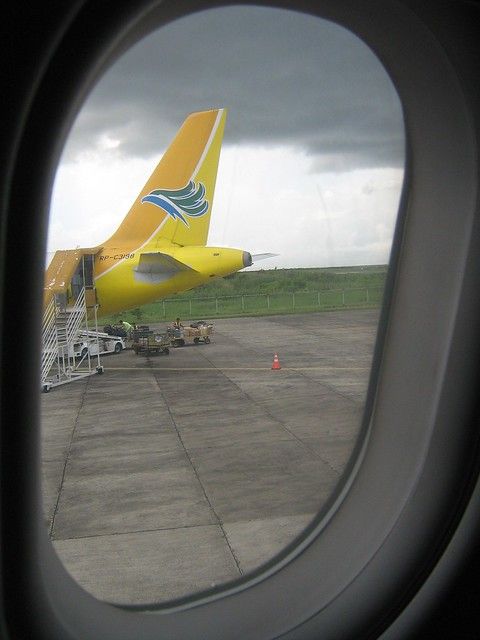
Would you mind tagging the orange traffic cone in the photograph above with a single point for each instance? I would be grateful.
(276, 362)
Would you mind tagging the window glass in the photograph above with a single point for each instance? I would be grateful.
(171, 470)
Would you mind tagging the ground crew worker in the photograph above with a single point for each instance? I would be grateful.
(128, 327)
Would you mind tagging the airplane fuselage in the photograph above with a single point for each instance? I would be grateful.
(122, 284)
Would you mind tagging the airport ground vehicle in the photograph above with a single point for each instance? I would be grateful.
(197, 332)
(70, 359)
(148, 342)
(102, 344)
(76, 349)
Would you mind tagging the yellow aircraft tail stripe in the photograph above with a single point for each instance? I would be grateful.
(175, 203)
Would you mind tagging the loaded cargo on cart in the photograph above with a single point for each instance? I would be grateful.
(199, 331)
(147, 341)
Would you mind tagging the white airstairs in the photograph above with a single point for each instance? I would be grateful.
(61, 331)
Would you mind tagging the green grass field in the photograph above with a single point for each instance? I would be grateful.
(268, 292)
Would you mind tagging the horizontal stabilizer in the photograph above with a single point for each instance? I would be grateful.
(154, 268)
(263, 256)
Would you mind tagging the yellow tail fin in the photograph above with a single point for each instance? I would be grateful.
(176, 202)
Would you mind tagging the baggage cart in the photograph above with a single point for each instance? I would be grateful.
(148, 342)
(197, 332)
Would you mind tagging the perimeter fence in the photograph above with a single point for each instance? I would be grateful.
(263, 303)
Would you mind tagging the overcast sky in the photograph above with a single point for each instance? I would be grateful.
(312, 159)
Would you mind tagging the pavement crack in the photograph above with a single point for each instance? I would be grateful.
(314, 454)
(199, 480)
(67, 458)
(133, 532)
(329, 387)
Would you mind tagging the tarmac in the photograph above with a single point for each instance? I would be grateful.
(170, 474)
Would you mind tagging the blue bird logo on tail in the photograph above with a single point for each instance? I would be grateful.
(189, 201)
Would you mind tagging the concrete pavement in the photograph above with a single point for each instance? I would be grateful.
(169, 474)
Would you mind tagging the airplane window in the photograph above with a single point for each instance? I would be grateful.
(210, 345)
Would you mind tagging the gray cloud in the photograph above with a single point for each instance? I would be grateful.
(286, 78)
